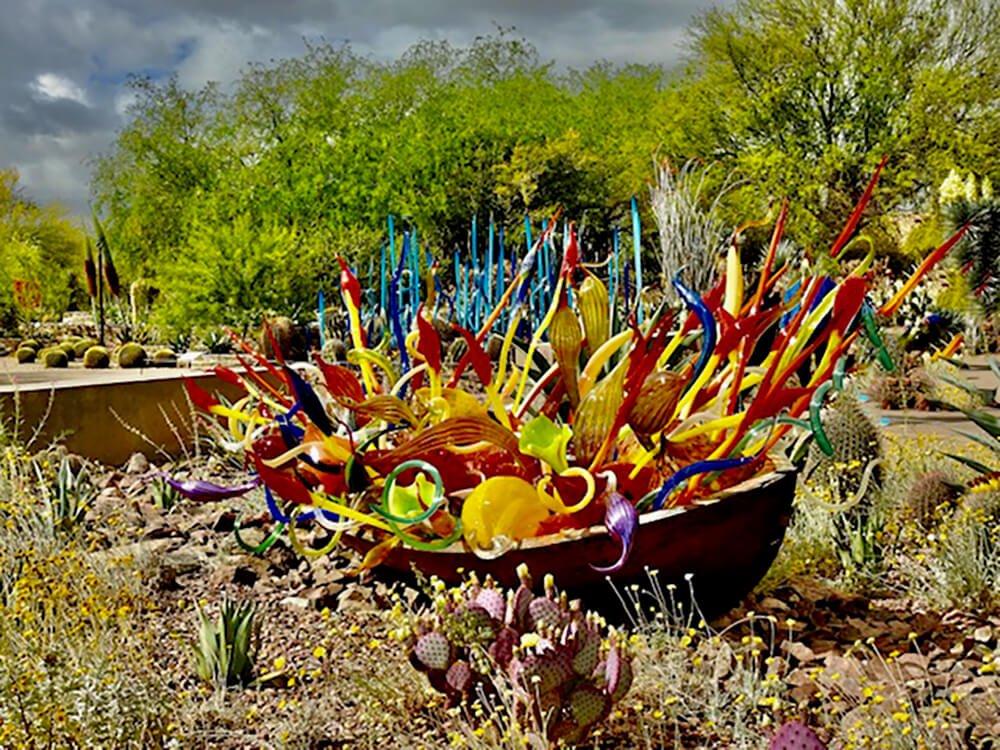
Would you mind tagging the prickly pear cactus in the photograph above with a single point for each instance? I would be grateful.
(565, 676)
(794, 735)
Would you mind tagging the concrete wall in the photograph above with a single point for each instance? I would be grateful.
(78, 413)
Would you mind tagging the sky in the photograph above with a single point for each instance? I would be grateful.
(64, 63)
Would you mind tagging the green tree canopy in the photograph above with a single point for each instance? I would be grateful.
(803, 97)
(796, 98)
(41, 257)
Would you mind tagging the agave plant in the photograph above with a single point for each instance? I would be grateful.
(70, 495)
(979, 252)
(226, 651)
(988, 477)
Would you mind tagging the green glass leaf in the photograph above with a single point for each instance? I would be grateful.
(545, 440)
(411, 500)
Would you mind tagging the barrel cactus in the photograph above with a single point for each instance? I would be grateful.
(928, 494)
(284, 334)
(857, 448)
(564, 674)
(164, 358)
(25, 354)
(81, 346)
(54, 357)
(29, 343)
(132, 355)
(96, 358)
(68, 348)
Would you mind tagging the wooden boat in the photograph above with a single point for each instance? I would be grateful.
(725, 543)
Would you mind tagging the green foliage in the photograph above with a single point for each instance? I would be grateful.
(236, 204)
(96, 358)
(232, 273)
(40, 247)
(804, 96)
(131, 355)
(226, 651)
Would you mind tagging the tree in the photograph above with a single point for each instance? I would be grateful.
(41, 257)
(804, 97)
(329, 144)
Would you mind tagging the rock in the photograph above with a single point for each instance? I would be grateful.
(983, 634)
(137, 464)
(296, 601)
(799, 651)
(769, 603)
(322, 597)
(325, 574)
(240, 574)
(184, 561)
(355, 598)
(224, 521)
(980, 708)
(244, 575)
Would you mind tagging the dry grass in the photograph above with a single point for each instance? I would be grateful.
(74, 669)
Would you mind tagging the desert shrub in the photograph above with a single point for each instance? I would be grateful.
(76, 669)
(957, 563)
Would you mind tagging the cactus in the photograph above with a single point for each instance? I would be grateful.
(25, 354)
(54, 357)
(131, 355)
(908, 388)
(855, 442)
(928, 493)
(82, 345)
(68, 348)
(96, 358)
(29, 344)
(564, 675)
(164, 358)
(283, 333)
(794, 735)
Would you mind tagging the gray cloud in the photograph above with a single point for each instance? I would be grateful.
(64, 62)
